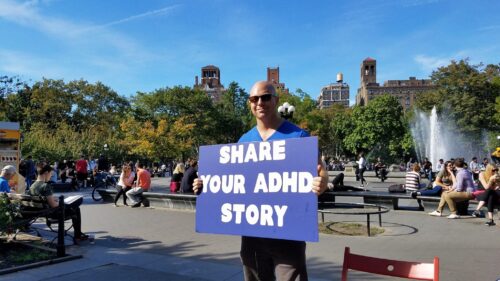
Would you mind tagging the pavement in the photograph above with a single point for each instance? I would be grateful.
(161, 244)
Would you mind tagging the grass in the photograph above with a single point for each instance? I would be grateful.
(348, 229)
(15, 254)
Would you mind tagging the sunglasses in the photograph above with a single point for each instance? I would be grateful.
(264, 98)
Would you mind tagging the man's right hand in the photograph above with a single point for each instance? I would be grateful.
(197, 186)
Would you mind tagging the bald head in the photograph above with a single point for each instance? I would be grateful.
(262, 87)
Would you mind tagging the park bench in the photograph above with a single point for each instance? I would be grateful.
(33, 208)
(161, 200)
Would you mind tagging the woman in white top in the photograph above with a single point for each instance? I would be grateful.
(125, 183)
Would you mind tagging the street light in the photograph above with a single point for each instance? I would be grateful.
(106, 148)
(286, 110)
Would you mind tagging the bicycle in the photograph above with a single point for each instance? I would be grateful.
(103, 180)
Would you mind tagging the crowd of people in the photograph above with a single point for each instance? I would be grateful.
(457, 181)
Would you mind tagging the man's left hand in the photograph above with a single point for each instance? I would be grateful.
(320, 183)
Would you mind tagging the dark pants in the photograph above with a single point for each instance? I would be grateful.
(73, 211)
(361, 178)
(263, 257)
(338, 184)
(435, 191)
(121, 192)
(491, 198)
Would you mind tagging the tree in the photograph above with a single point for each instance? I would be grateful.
(379, 128)
(330, 125)
(235, 117)
(95, 104)
(192, 105)
(468, 93)
(9, 88)
(161, 141)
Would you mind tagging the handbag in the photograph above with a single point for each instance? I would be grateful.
(397, 188)
(174, 186)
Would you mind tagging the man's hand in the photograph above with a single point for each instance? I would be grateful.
(320, 183)
(197, 186)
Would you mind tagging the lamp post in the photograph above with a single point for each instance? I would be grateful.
(106, 148)
(286, 110)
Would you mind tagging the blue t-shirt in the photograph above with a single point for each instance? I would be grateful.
(286, 130)
(4, 185)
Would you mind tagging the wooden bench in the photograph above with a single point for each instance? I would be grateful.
(33, 208)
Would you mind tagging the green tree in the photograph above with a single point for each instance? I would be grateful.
(379, 128)
(467, 93)
(193, 105)
(9, 89)
(235, 117)
(330, 125)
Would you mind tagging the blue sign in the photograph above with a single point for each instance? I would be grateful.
(259, 189)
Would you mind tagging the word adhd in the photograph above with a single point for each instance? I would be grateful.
(272, 182)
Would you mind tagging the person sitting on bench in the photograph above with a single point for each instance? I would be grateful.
(461, 191)
(444, 182)
(41, 188)
(338, 184)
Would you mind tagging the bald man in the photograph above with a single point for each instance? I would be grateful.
(263, 258)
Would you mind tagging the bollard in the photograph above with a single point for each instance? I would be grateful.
(61, 250)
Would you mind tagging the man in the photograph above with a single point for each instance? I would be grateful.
(474, 168)
(461, 190)
(143, 184)
(409, 164)
(30, 171)
(102, 163)
(483, 165)
(189, 176)
(6, 175)
(81, 171)
(41, 188)
(440, 165)
(380, 169)
(427, 165)
(263, 257)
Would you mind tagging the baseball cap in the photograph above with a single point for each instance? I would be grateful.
(9, 169)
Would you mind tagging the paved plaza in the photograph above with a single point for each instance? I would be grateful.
(161, 244)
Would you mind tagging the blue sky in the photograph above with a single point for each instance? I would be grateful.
(133, 45)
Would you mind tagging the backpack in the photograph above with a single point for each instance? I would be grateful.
(397, 188)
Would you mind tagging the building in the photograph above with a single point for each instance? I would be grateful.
(210, 82)
(335, 93)
(406, 91)
(273, 76)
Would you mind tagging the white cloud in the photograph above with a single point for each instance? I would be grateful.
(81, 36)
(157, 12)
(429, 63)
(18, 63)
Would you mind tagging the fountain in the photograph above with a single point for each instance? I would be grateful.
(436, 138)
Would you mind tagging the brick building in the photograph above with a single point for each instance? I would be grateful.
(273, 76)
(335, 93)
(406, 91)
(210, 82)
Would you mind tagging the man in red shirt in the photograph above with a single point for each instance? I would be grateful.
(81, 171)
(143, 184)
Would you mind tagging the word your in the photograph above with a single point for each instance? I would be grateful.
(264, 152)
(227, 183)
(252, 214)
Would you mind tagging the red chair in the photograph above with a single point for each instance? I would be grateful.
(403, 269)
